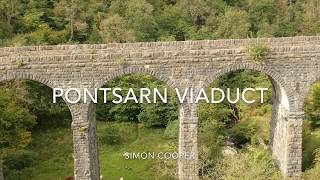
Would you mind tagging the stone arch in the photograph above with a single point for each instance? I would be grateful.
(152, 72)
(84, 148)
(283, 105)
(305, 91)
(316, 78)
(39, 79)
(27, 76)
(129, 70)
(277, 81)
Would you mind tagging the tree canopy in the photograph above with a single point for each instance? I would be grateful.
(36, 22)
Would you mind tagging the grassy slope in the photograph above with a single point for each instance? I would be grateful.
(311, 141)
(53, 159)
(113, 165)
(54, 155)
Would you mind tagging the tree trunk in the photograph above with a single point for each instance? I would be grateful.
(71, 21)
(1, 170)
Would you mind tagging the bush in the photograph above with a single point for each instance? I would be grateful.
(157, 115)
(256, 163)
(172, 129)
(165, 169)
(111, 136)
(314, 172)
(311, 141)
(242, 133)
(117, 133)
(20, 160)
(312, 106)
(258, 52)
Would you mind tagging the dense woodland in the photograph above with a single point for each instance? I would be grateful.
(36, 139)
(34, 22)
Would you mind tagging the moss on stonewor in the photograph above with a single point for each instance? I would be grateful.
(258, 52)
(121, 62)
(20, 63)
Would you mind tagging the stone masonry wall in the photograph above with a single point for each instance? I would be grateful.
(293, 65)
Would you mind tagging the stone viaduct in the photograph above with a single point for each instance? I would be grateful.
(292, 65)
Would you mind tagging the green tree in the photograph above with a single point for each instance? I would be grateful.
(138, 113)
(311, 18)
(234, 24)
(139, 15)
(15, 125)
(115, 29)
(262, 16)
(172, 24)
(9, 11)
(288, 19)
(312, 106)
(73, 16)
(48, 114)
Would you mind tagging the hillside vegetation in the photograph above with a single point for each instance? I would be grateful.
(36, 22)
(36, 137)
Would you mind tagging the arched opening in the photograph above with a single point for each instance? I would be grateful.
(36, 138)
(133, 137)
(311, 134)
(235, 139)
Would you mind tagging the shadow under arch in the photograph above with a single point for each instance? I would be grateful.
(118, 74)
(36, 78)
(43, 81)
(131, 70)
(281, 90)
(282, 104)
(27, 76)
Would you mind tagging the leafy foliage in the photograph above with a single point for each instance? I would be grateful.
(311, 133)
(151, 115)
(255, 163)
(258, 52)
(314, 172)
(35, 22)
(16, 123)
(26, 22)
(237, 124)
(312, 106)
(234, 24)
